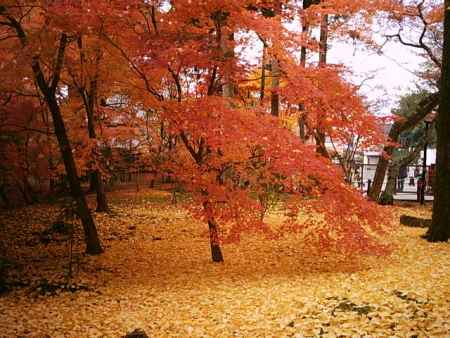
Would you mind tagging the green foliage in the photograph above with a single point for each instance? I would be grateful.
(407, 106)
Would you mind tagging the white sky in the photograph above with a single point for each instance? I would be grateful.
(391, 73)
(386, 76)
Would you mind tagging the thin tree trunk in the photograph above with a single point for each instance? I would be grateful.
(216, 252)
(305, 27)
(440, 225)
(275, 87)
(275, 71)
(227, 49)
(4, 197)
(29, 191)
(387, 197)
(92, 182)
(26, 198)
(89, 100)
(93, 246)
(302, 125)
(262, 87)
(303, 53)
(425, 106)
(320, 144)
(323, 50)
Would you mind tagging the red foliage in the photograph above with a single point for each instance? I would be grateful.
(161, 70)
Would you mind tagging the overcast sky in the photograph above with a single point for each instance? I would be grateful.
(391, 73)
(385, 76)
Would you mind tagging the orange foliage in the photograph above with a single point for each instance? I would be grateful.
(161, 71)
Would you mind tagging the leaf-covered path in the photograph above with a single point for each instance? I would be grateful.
(156, 275)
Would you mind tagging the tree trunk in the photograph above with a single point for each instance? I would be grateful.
(425, 106)
(323, 44)
(89, 99)
(92, 182)
(302, 126)
(4, 197)
(48, 90)
(440, 226)
(93, 246)
(305, 27)
(262, 87)
(227, 49)
(323, 50)
(387, 197)
(303, 52)
(380, 173)
(23, 190)
(216, 252)
(275, 87)
(102, 202)
(320, 144)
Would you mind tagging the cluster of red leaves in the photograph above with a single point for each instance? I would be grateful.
(245, 154)
(167, 66)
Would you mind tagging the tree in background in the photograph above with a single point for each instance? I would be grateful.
(415, 16)
(165, 87)
(35, 53)
(411, 143)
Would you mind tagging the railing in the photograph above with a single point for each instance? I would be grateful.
(408, 183)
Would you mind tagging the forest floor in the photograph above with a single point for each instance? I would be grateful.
(156, 275)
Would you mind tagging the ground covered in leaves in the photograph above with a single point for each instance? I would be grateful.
(156, 275)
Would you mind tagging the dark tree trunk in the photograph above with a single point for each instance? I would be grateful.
(275, 71)
(323, 48)
(48, 90)
(440, 226)
(305, 27)
(93, 246)
(4, 197)
(102, 202)
(303, 52)
(320, 144)
(29, 191)
(216, 252)
(263, 76)
(92, 182)
(89, 100)
(302, 127)
(275, 96)
(425, 106)
(26, 197)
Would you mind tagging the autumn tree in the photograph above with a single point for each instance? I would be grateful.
(179, 77)
(406, 17)
(84, 67)
(204, 114)
(16, 20)
(411, 143)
